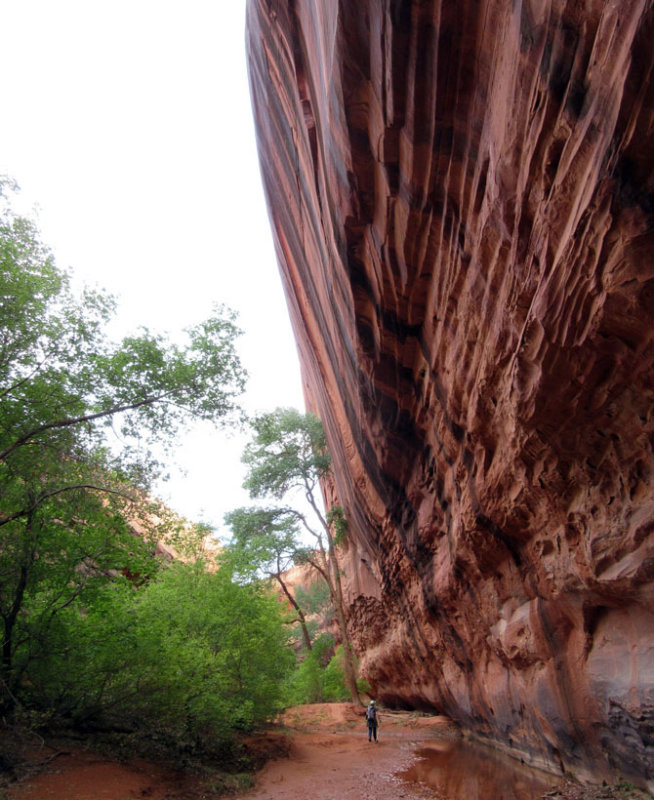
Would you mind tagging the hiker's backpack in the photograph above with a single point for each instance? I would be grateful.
(371, 714)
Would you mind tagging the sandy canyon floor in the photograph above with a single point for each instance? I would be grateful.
(329, 758)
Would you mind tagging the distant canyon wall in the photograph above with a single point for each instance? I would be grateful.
(461, 195)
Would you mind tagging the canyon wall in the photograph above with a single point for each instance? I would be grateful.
(461, 195)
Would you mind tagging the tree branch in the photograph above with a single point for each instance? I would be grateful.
(299, 515)
(319, 569)
(30, 509)
(24, 380)
(67, 423)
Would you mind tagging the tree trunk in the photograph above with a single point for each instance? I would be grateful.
(300, 613)
(7, 676)
(333, 577)
(6, 696)
(339, 608)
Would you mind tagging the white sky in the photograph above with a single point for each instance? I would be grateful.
(128, 124)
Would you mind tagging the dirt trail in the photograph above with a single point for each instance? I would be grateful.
(331, 758)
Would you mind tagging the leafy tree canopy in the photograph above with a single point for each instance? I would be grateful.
(65, 497)
(288, 451)
(190, 652)
(60, 371)
(264, 540)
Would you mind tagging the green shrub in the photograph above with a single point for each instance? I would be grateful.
(191, 653)
(305, 685)
(334, 678)
(320, 676)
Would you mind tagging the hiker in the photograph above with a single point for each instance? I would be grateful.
(372, 720)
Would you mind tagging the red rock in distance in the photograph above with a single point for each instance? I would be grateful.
(461, 196)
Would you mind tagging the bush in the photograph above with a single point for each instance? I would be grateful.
(305, 685)
(334, 678)
(319, 678)
(190, 655)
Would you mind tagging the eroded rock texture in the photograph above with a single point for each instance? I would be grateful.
(461, 195)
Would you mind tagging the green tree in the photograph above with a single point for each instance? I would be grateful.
(317, 605)
(267, 540)
(211, 651)
(307, 683)
(66, 499)
(319, 678)
(288, 454)
(190, 652)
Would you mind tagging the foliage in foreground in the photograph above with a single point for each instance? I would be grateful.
(95, 632)
(178, 667)
(191, 652)
(320, 675)
(287, 456)
(66, 499)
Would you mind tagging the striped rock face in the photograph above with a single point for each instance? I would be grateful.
(461, 196)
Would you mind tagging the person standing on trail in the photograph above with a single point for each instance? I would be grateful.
(372, 720)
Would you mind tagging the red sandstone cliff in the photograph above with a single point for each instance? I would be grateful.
(461, 195)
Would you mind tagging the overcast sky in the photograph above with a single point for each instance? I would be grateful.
(128, 124)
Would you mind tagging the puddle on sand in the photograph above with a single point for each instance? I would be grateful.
(459, 771)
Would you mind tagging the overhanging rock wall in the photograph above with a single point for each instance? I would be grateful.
(461, 195)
